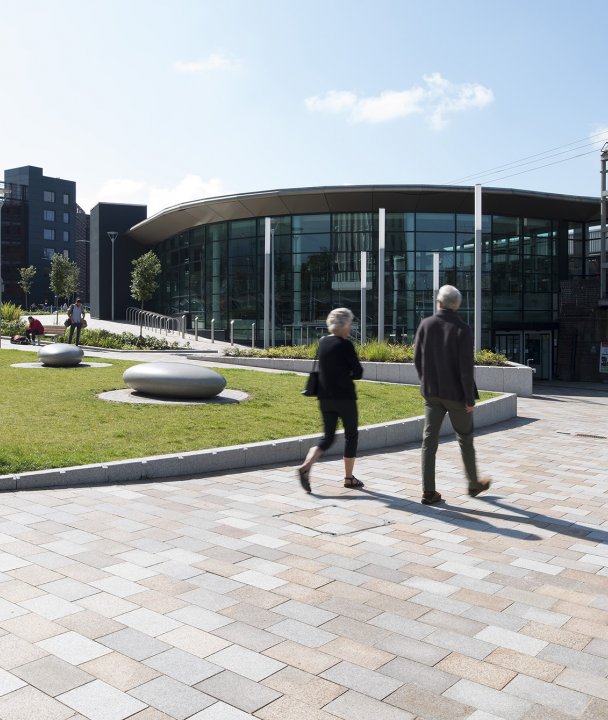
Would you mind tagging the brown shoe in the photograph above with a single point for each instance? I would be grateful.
(482, 486)
(430, 498)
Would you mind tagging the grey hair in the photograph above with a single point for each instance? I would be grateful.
(449, 297)
(338, 318)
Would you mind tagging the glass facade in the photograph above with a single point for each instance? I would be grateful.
(216, 272)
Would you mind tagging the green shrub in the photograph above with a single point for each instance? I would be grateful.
(11, 312)
(375, 351)
(487, 357)
(372, 351)
(123, 341)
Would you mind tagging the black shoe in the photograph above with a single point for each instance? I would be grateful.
(304, 481)
(430, 498)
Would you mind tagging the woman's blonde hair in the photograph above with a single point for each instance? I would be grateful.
(338, 318)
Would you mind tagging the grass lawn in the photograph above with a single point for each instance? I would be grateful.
(52, 417)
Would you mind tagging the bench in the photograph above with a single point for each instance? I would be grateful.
(54, 330)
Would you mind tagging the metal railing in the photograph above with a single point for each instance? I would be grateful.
(156, 321)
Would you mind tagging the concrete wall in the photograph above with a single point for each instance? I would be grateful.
(514, 378)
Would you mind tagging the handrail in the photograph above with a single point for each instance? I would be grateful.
(156, 321)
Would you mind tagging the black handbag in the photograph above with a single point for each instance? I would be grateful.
(311, 388)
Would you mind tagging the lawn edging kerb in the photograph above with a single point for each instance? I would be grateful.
(245, 457)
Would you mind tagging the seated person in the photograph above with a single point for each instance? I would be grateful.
(34, 329)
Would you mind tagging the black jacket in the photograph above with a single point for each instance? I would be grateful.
(444, 358)
(338, 367)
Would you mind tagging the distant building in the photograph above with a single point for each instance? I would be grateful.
(14, 233)
(83, 254)
(49, 227)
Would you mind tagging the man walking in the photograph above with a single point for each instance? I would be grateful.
(444, 360)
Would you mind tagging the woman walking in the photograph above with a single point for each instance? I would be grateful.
(338, 366)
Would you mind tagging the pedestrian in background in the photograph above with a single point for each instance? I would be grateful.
(76, 316)
(444, 360)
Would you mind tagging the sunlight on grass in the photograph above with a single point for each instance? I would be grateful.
(53, 418)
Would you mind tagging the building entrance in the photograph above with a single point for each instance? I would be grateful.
(532, 348)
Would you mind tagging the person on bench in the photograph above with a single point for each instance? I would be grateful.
(33, 330)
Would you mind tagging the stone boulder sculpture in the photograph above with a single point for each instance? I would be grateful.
(174, 380)
(60, 355)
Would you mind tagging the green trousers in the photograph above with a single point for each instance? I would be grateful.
(435, 410)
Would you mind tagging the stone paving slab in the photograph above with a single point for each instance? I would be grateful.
(235, 595)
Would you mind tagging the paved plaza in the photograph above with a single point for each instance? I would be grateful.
(236, 596)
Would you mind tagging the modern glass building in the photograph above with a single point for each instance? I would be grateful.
(222, 266)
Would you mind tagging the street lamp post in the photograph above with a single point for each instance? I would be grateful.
(112, 235)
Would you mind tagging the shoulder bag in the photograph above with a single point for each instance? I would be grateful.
(311, 388)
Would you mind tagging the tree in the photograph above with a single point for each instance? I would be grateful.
(143, 279)
(26, 278)
(64, 277)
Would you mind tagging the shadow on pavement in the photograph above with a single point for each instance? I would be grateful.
(473, 518)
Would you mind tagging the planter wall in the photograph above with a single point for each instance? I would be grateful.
(513, 378)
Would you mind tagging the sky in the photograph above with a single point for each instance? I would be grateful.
(160, 102)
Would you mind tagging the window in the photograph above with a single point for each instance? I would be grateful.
(66, 236)
(49, 234)
(49, 215)
(49, 196)
(66, 199)
(48, 253)
(66, 217)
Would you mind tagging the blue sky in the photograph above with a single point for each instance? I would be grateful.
(160, 102)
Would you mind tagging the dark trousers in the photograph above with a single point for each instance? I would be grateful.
(435, 410)
(72, 326)
(32, 335)
(345, 410)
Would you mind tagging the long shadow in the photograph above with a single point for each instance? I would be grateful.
(442, 512)
(474, 518)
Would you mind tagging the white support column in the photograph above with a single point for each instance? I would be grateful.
(266, 281)
(435, 280)
(363, 296)
(381, 271)
(478, 246)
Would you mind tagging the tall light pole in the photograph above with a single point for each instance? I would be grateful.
(2, 196)
(112, 235)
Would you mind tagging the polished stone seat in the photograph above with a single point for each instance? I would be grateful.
(174, 379)
(60, 355)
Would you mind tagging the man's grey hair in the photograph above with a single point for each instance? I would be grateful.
(449, 297)
(338, 318)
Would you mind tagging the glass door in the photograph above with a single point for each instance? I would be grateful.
(537, 353)
(509, 344)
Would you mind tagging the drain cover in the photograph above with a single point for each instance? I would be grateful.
(334, 520)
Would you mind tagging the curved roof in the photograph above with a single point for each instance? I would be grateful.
(363, 198)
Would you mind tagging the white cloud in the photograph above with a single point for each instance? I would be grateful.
(215, 61)
(333, 102)
(137, 192)
(436, 99)
(191, 187)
